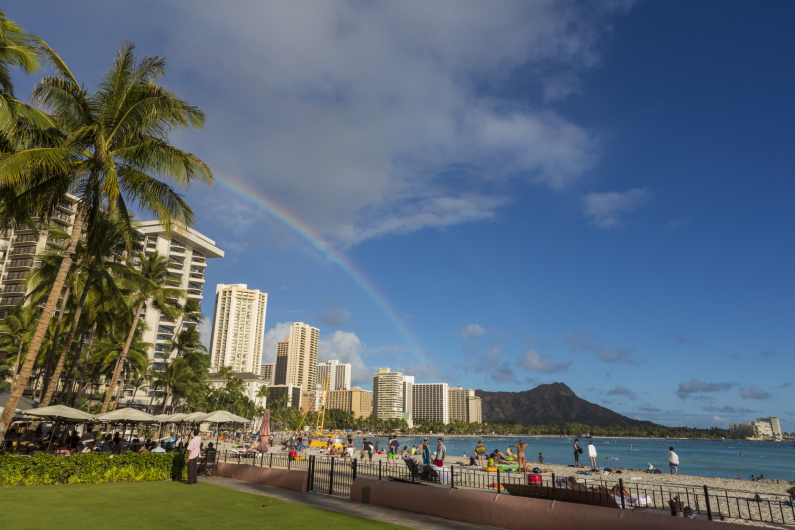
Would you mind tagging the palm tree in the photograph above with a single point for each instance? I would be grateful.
(101, 261)
(17, 50)
(111, 148)
(134, 363)
(152, 282)
(16, 331)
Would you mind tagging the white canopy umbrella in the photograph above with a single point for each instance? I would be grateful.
(223, 416)
(128, 415)
(163, 418)
(176, 418)
(60, 413)
(195, 416)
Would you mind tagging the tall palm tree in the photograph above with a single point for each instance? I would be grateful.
(101, 259)
(151, 283)
(17, 50)
(112, 148)
(111, 351)
(16, 331)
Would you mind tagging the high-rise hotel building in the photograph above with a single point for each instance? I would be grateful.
(465, 405)
(387, 394)
(431, 402)
(187, 252)
(296, 358)
(20, 246)
(238, 328)
(354, 401)
(339, 375)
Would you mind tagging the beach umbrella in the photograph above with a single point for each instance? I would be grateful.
(128, 415)
(195, 416)
(224, 416)
(176, 418)
(264, 432)
(60, 413)
(163, 418)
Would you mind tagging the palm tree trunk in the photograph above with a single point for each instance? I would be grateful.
(119, 392)
(123, 356)
(72, 330)
(44, 319)
(55, 336)
(16, 363)
(85, 362)
(66, 393)
(152, 399)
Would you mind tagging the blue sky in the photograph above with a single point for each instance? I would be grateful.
(545, 191)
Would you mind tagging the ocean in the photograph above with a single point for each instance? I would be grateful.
(722, 459)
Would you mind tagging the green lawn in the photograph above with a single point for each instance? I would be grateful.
(170, 505)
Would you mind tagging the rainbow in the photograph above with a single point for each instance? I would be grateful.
(293, 224)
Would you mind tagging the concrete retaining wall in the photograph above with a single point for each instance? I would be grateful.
(515, 513)
(281, 478)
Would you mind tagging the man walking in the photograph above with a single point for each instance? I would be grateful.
(441, 452)
(673, 461)
(194, 449)
(394, 450)
(366, 451)
(592, 454)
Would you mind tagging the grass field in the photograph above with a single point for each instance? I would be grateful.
(170, 505)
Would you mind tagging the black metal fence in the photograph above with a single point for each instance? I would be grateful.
(334, 476)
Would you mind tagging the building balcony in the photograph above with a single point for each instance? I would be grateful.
(25, 238)
(23, 251)
(10, 300)
(15, 276)
(57, 242)
(14, 288)
(20, 264)
(177, 250)
(196, 278)
(195, 295)
(62, 217)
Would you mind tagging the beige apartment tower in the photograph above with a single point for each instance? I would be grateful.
(387, 394)
(238, 328)
(19, 247)
(464, 405)
(296, 358)
(354, 401)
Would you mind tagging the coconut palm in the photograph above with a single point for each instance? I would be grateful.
(112, 149)
(100, 260)
(18, 49)
(151, 284)
(16, 331)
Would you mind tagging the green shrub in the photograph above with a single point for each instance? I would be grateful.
(92, 468)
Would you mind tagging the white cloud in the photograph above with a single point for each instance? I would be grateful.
(472, 330)
(377, 107)
(272, 337)
(754, 393)
(538, 362)
(605, 209)
(346, 347)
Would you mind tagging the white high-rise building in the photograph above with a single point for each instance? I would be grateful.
(387, 394)
(408, 398)
(187, 252)
(339, 375)
(296, 358)
(431, 402)
(238, 328)
(464, 405)
(20, 246)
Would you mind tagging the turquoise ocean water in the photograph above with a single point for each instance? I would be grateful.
(774, 460)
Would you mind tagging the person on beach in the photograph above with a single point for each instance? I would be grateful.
(394, 448)
(194, 449)
(520, 459)
(377, 446)
(673, 461)
(577, 451)
(441, 452)
(592, 454)
(426, 453)
(540, 458)
(366, 451)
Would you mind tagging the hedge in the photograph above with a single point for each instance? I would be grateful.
(91, 468)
